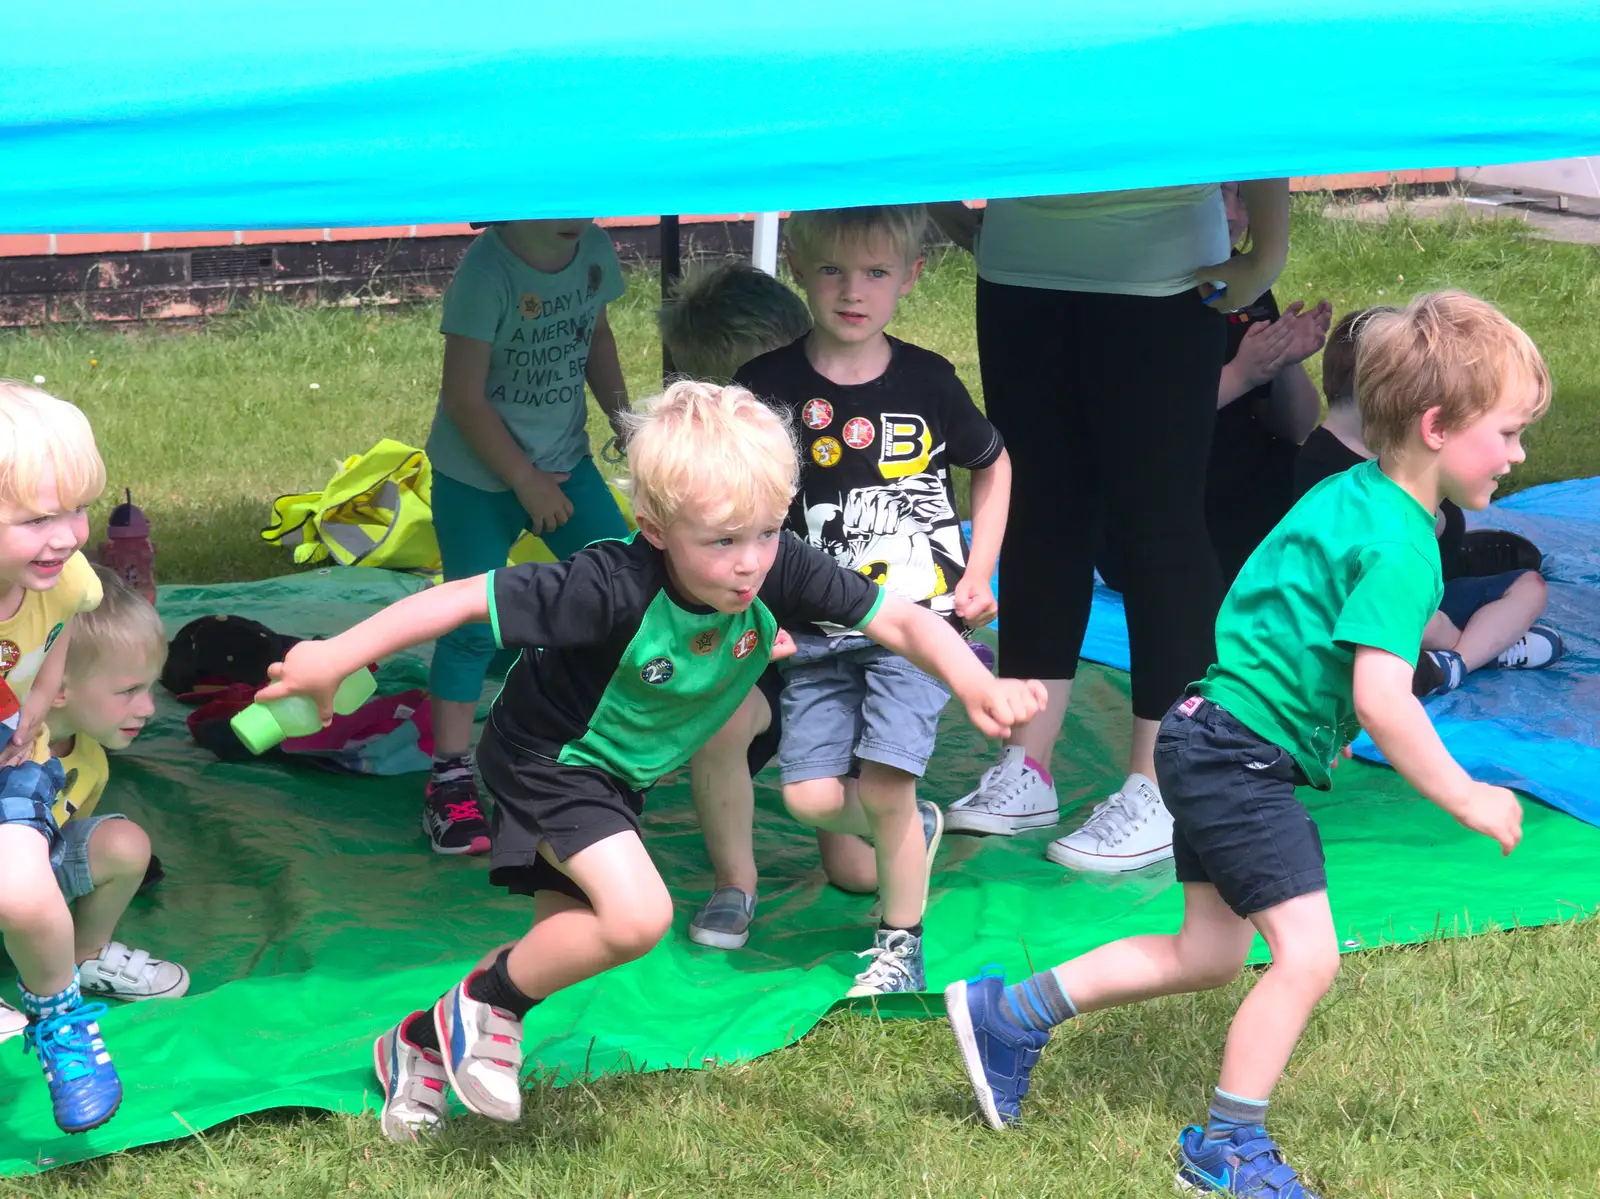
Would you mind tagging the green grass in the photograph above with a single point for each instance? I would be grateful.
(1454, 1069)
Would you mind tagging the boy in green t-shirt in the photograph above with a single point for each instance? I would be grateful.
(1317, 639)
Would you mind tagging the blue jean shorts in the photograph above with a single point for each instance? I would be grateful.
(27, 792)
(72, 872)
(855, 703)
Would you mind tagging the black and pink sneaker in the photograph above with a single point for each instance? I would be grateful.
(452, 818)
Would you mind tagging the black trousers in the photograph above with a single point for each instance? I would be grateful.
(1107, 404)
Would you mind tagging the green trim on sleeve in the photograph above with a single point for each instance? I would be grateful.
(494, 616)
(873, 611)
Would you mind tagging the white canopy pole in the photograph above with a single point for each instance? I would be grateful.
(764, 250)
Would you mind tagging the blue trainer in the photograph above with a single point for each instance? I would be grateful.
(1249, 1164)
(84, 1087)
(998, 1054)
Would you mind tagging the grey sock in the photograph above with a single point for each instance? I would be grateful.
(1038, 1002)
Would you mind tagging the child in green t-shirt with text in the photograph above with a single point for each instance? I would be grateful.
(1316, 640)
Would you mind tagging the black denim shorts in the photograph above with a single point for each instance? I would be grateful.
(1236, 821)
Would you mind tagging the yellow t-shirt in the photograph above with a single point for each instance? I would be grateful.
(87, 775)
(28, 636)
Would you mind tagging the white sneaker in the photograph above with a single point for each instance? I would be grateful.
(118, 972)
(12, 1022)
(1538, 647)
(1011, 796)
(1128, 831)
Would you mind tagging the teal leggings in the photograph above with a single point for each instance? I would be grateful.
(476, 531)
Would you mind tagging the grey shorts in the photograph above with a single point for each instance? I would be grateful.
(861, 703)
(72, 873)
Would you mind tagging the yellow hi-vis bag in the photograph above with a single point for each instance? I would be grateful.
(378, 511)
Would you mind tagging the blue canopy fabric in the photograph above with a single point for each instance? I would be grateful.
(189, 114)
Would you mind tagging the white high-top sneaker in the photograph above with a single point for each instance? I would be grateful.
(1011, 796)
(1127, 831)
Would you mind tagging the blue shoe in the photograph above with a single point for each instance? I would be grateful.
(1249, 1164)
(84, 1087)
(998, 1054)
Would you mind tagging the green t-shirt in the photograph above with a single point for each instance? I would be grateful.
(1355, 562)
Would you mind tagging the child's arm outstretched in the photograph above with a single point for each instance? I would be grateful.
(316, 668)
(36, 707)
(603, 373)
(461, 394)
(991, 503)
(1397, 723)
(994, 705)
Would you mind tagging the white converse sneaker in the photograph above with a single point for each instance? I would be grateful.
(12, 1022)
(1011, 796)
(118, 972)
(1128, 831)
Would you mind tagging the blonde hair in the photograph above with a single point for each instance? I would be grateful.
(717, 320)
(1445, 350)
(124, 628)
(812, 234)
(40, 434)
(717, 450)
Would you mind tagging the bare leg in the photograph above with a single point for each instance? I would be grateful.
(452, 727)
(1038, 736)
(849, 861)
(33, 915)
(889, 799)
(725, 797)
(1496, 626)
(571, 941)
(827, 804)
(1305, 958)
(119, 851)
(1142, 748)
(1207, 951)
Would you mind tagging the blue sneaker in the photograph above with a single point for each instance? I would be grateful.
(999, 1055)
(84, 1087)
(1249, 1164)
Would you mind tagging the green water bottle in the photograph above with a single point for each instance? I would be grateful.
(262, 725)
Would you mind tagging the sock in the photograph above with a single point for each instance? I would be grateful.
(1229, 1112)
(451, 768)
(1038, 1003)
(42, 1007)
(419, 1031)
(494, 987)
(1039, 770)
(914, 929)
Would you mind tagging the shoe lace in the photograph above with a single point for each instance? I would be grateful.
(1116, 817)
(65, 1044)
(890, 961)
(462, 809)
(1517, 653)
(999, 786)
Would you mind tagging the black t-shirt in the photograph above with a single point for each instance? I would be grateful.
(624, 673)
(875, 482)
(1250, 478)
(1324, 454)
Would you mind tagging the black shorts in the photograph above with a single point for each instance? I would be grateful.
(1236, 822)
(765, 746)
(541, 800)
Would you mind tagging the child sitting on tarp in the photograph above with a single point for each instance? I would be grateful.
(113, 660)
(1483, 621)
(50, 471)
(714, 322)
(524, 327)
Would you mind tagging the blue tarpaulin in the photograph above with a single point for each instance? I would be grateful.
(1535, 730)
(189, 114)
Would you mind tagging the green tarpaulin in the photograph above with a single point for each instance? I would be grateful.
(312, 915)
